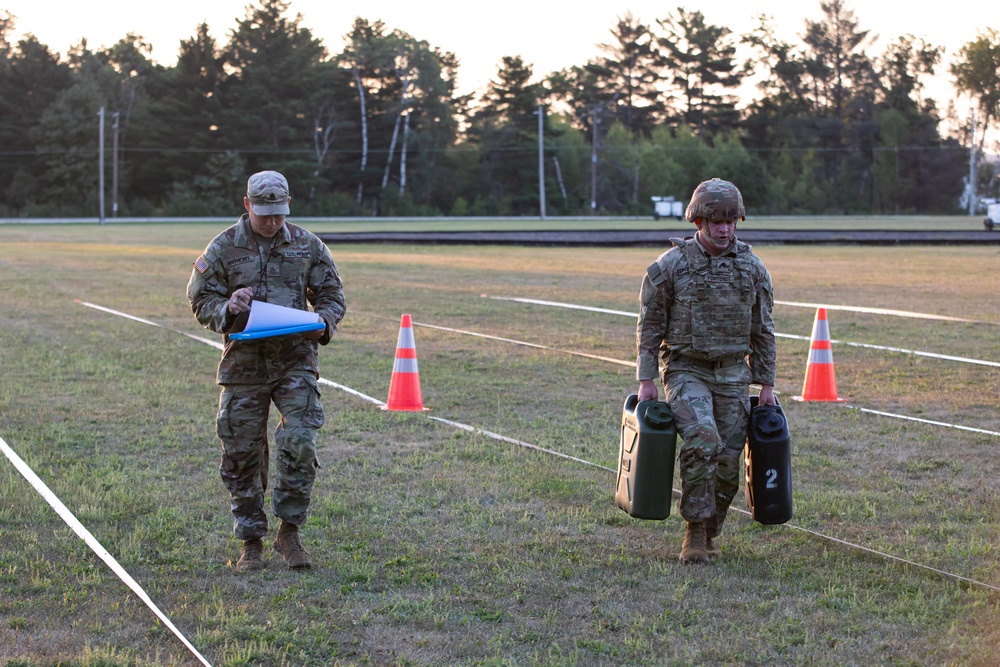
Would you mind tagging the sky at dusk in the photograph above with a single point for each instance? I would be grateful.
(548, 35)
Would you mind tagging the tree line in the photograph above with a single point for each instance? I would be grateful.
(379, 129)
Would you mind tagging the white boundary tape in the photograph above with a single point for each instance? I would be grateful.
(214, 343)
(521, 443)
(797, 304)
(92, 542)
(881, 311)
(918, 353)
(631, 364)
(923, 421)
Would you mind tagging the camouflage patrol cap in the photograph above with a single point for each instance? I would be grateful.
(268, 193)
(715, 200)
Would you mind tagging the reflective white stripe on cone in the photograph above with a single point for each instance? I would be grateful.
(821, 381)
(404, 387)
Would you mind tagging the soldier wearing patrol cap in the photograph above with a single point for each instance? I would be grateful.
(705, 313)
(262, 257)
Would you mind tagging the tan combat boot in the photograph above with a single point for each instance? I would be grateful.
(251, 555)
(695, 549)
(288, 545)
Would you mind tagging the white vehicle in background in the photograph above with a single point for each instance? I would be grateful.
(992, 218)
(667, 207)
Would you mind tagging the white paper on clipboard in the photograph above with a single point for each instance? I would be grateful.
(267, 320)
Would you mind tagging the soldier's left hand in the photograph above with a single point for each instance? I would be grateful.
(766, 396)
(315, 334)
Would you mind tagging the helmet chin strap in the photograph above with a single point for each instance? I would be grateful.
(716, 241)
(714, 246)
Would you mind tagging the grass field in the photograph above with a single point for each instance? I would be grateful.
(434, 546)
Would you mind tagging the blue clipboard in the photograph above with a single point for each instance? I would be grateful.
(268, 333)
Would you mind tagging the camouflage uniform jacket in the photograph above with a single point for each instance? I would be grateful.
(297, 270)
(700, 307)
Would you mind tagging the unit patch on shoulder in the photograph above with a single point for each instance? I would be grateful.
(201, 265)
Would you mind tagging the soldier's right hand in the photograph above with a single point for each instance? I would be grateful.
(239, 301)
(648, 391)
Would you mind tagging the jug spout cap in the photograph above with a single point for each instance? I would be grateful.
(773, 423)
(658, 415)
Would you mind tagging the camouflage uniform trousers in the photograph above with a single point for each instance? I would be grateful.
(711, 411)
(242, 426)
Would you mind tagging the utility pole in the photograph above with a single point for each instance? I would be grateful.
(114, 165)
(541, 161)
(593, 161)
(972, 161)
(100, 167)
(895, 184)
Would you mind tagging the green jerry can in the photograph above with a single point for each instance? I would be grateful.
(646, 459)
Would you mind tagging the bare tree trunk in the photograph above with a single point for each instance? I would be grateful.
(364, 134)
(982, 137)
(402, 154)
(322, 140)
(392, 151)
(562, 186)
(635, 183)
(395, 128)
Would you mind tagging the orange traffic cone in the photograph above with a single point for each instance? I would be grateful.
(404, 387)
(821, 380)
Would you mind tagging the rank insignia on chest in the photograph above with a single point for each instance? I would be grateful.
(721, 271)
(273, 270)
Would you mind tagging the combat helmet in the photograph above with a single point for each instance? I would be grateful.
(715, 200)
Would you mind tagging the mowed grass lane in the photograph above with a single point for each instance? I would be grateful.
(434, 546)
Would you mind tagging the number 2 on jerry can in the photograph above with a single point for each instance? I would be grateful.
(768, 464)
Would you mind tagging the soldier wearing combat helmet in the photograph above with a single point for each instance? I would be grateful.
(705, 324)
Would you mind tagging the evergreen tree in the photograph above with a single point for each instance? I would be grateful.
(185, 106)
(627, 76)
(914, 168)
(31, 78)
(67, 140)
(567, 167)
(271, 60)
(701, 60)
(376, 128)
(504, 130)
(665, 166)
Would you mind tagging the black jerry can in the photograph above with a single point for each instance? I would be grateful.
(646, 459)
(768, 464)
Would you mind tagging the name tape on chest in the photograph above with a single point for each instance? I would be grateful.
(719, 278)
(236, 261)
